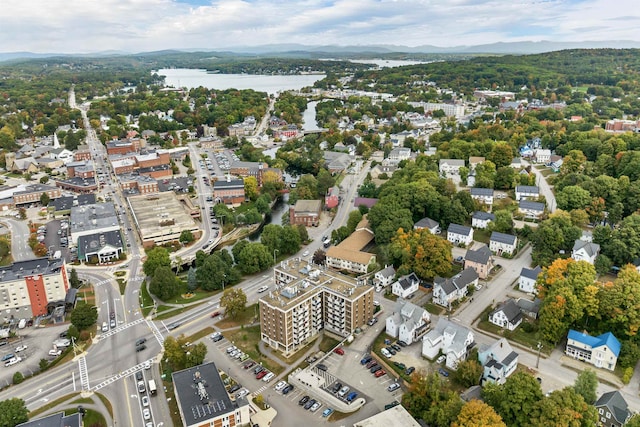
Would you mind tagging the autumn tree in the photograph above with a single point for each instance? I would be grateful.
(476, 413)
(251, 187)
(431, 399)
(619, 303)
(421, 252)
(468, 372)
(234, 302)
(515, 400)
(501, 154)
(564, 408)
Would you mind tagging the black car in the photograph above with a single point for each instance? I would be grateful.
(309, 404)
(235, 388)
(400, 365)
(257, 370)
(322, 367)
(375, 369)
(304, 400)
(409, 370)
(218, 338)
(141, 341)
(64, 334)
(391, 350)
(141, 347)
(396, 347)
(402, 343)
(139, 376)
(336, 387)
(287, 389)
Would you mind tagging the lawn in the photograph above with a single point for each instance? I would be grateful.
(328, 343)
(481, 235)
(433, 308)
(248, 339)
(248, 316)
(147, 301)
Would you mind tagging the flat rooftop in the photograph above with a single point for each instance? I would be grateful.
(93, 217)
(155, 212)
(302, 279)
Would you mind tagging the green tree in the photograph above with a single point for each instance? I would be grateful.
(43, 364)
(13, 412)
(192, 281)
(505, 177)
(254, 257)
(586, 384)
(515, 400)
(324, 182)
(233, 301)
(195, 355)
(156, 257)
(503, 222)
(501, 154)
(45, 199)
(216, 272)
(164, 283)
(573, 197)
(174, 354)
(303, 233)
(18, 377)
(74, 280)
(186, 236)
(289, 240)
(468, 372)
(475, 413)
(563, 408)
(270, 236)
(486, 174)
(430, 398)
(354, 218)
(84, 316)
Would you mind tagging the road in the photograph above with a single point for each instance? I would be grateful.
(20, 249)
(543, 185)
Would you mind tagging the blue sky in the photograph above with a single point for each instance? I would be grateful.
(79, 26)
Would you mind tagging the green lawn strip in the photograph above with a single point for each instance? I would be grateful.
(433, 308)
(327, 343)
(528, 340)
(247, 316)
(106, 403)
(169, 311)
(51, 404)
(147, 301)
(122, 284)
(247, 340)
(201, 334)
(90, 418)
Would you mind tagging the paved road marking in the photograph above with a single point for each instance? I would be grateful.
(119, 376)
(84, 373)
(120, 328)
(156, 331)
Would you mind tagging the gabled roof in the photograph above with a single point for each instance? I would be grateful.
(534, 206)
(592, 249)
(482, 192)
(482, 255)
(459, 281)
(616, 404)
(408, 281)
(458, 332)
(531, 189)
(483, 216)
(509, 239)
(607, 339)
(452, 162)
(510, 310)
(388, 271)
(531, 273)
(426, 223)
(459, 229)
(500, 352)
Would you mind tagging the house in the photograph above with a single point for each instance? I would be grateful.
(453, 340)
(555, 162)
(450, 167)
(499, 361)
(529, 308)
(613, 410)
(399, 154)
(406, 285)
(475, 161)
(516, 163)
(585, 251)
(447, 291)
(384, 277)
(532, 210)
(481, 219)
(542, 156)
(332, 198)
(364, 201)
(349, 254)
(483, 195)
(527, 280)
(459, 234)
(507, 315)
(527, 192)
(501, 243)
(305, 212)
(428, 223)
(408, 322)
(601, 351)
(480, 260)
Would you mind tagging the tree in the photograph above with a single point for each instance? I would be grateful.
(13, 412)
(503, 223)
(354, 218)
(195, 355)
(156, 257)
(516, 399)
(18, 377)
(234, 302)
(501, 154)
(251, 187)
(192, 281)
(164, 284)
(505, 177)
(573, 197)
(319, 257)
(174, 354)
(270, 236)
(84, 316)
(634, 421)
(216, 271)
(468, 372)
(421, 252)
(486, 174)
(74, 281)
(254, 257)
(478, 414)
(586, 384)
(302, 232)
(430, 398)
(186, 236)
(289, 240)
(564, 408)
(45, 199)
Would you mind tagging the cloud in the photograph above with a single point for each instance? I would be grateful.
(143, 25)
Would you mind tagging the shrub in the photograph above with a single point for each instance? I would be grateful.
(18, 377)
(626, 376)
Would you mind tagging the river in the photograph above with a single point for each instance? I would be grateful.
(191, 78)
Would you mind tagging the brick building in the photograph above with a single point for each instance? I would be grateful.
(305, 212)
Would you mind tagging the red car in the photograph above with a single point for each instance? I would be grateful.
(215, 314)
(261, 374)
(339, 351)
(380, 373)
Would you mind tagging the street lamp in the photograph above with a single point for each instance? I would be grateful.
(538, 358)
(274, 256)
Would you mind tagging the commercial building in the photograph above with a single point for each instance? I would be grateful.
(92, 219)
(229, 191)
(349, 254)
(32, 288)
(32, 193)
(203, 400)
(308, 299)
(58, 419)
(396, 416)
(305, 212)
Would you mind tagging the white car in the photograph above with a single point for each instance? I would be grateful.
(385, 353)
(13, 361)
(268, 377)
(147, 365)
(145, 401)
(55, 353)
(315, 406)
(305, 253)
(281, 385)
(21, 348)
(262, 289)
(441, 359)
(146, 414)
(242, 393)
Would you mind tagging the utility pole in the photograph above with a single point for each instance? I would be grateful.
(538, 358)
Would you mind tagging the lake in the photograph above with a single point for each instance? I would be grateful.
(191, 78)
(384, 63)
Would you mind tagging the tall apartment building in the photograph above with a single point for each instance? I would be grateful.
(308, 299)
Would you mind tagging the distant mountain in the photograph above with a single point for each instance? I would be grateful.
(287, 48)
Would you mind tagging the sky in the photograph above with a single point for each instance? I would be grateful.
(86, 26)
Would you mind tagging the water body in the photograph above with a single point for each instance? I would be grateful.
(191, 78)
(309, 117)
(384, 63)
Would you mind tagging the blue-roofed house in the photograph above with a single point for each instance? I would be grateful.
(601, 351)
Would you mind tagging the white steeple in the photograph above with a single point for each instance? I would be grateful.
(56, 143)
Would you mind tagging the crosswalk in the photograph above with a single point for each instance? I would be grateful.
(260, 390)
(84, 373)
(155, 331)
(121, 328)
(130, 371)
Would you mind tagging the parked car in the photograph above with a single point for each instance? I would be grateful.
(375, 369)
(304, 400)
(309, 404)
(393, 387)
(400, 365)
(351, 397)
(391, 350)
(343, 391)
(249, 364)
(441, 359)
(7, 357)
(287, 389)
(339, 351)
(55, 352)
(145, 401)
(366, 359)
(280, 385)
(322, 367)
(385, 353)
(268, 377)
(371, 364)
(21, 348)
(242, 393)
(372, 321)
(235, 388)
(402, 343)
(391, 405)
(380, 373)
(215, 314)
(327, 412)
(141, 387)
(146, 414)
(443, 372)
(336, 387)
(13, 361)
(258, 369)
(409, 370)
(396, 347)
(315, 407)
(261, 375)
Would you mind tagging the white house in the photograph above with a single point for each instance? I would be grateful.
(483, 195)
(555, 162)
(481, 219)
(499, 361)
(527, 280)
(446, 291)
(516, 163)
(449, 167)
(408, 322)
(501, 243)
(529, 209)
(406, 285)
(453, 340)
(398, 154)
(460, 234)
(585, 251)
(507, 315)
(428, 223)
(601, 351)
(384, 277)
(527, 192)
(542, 156)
